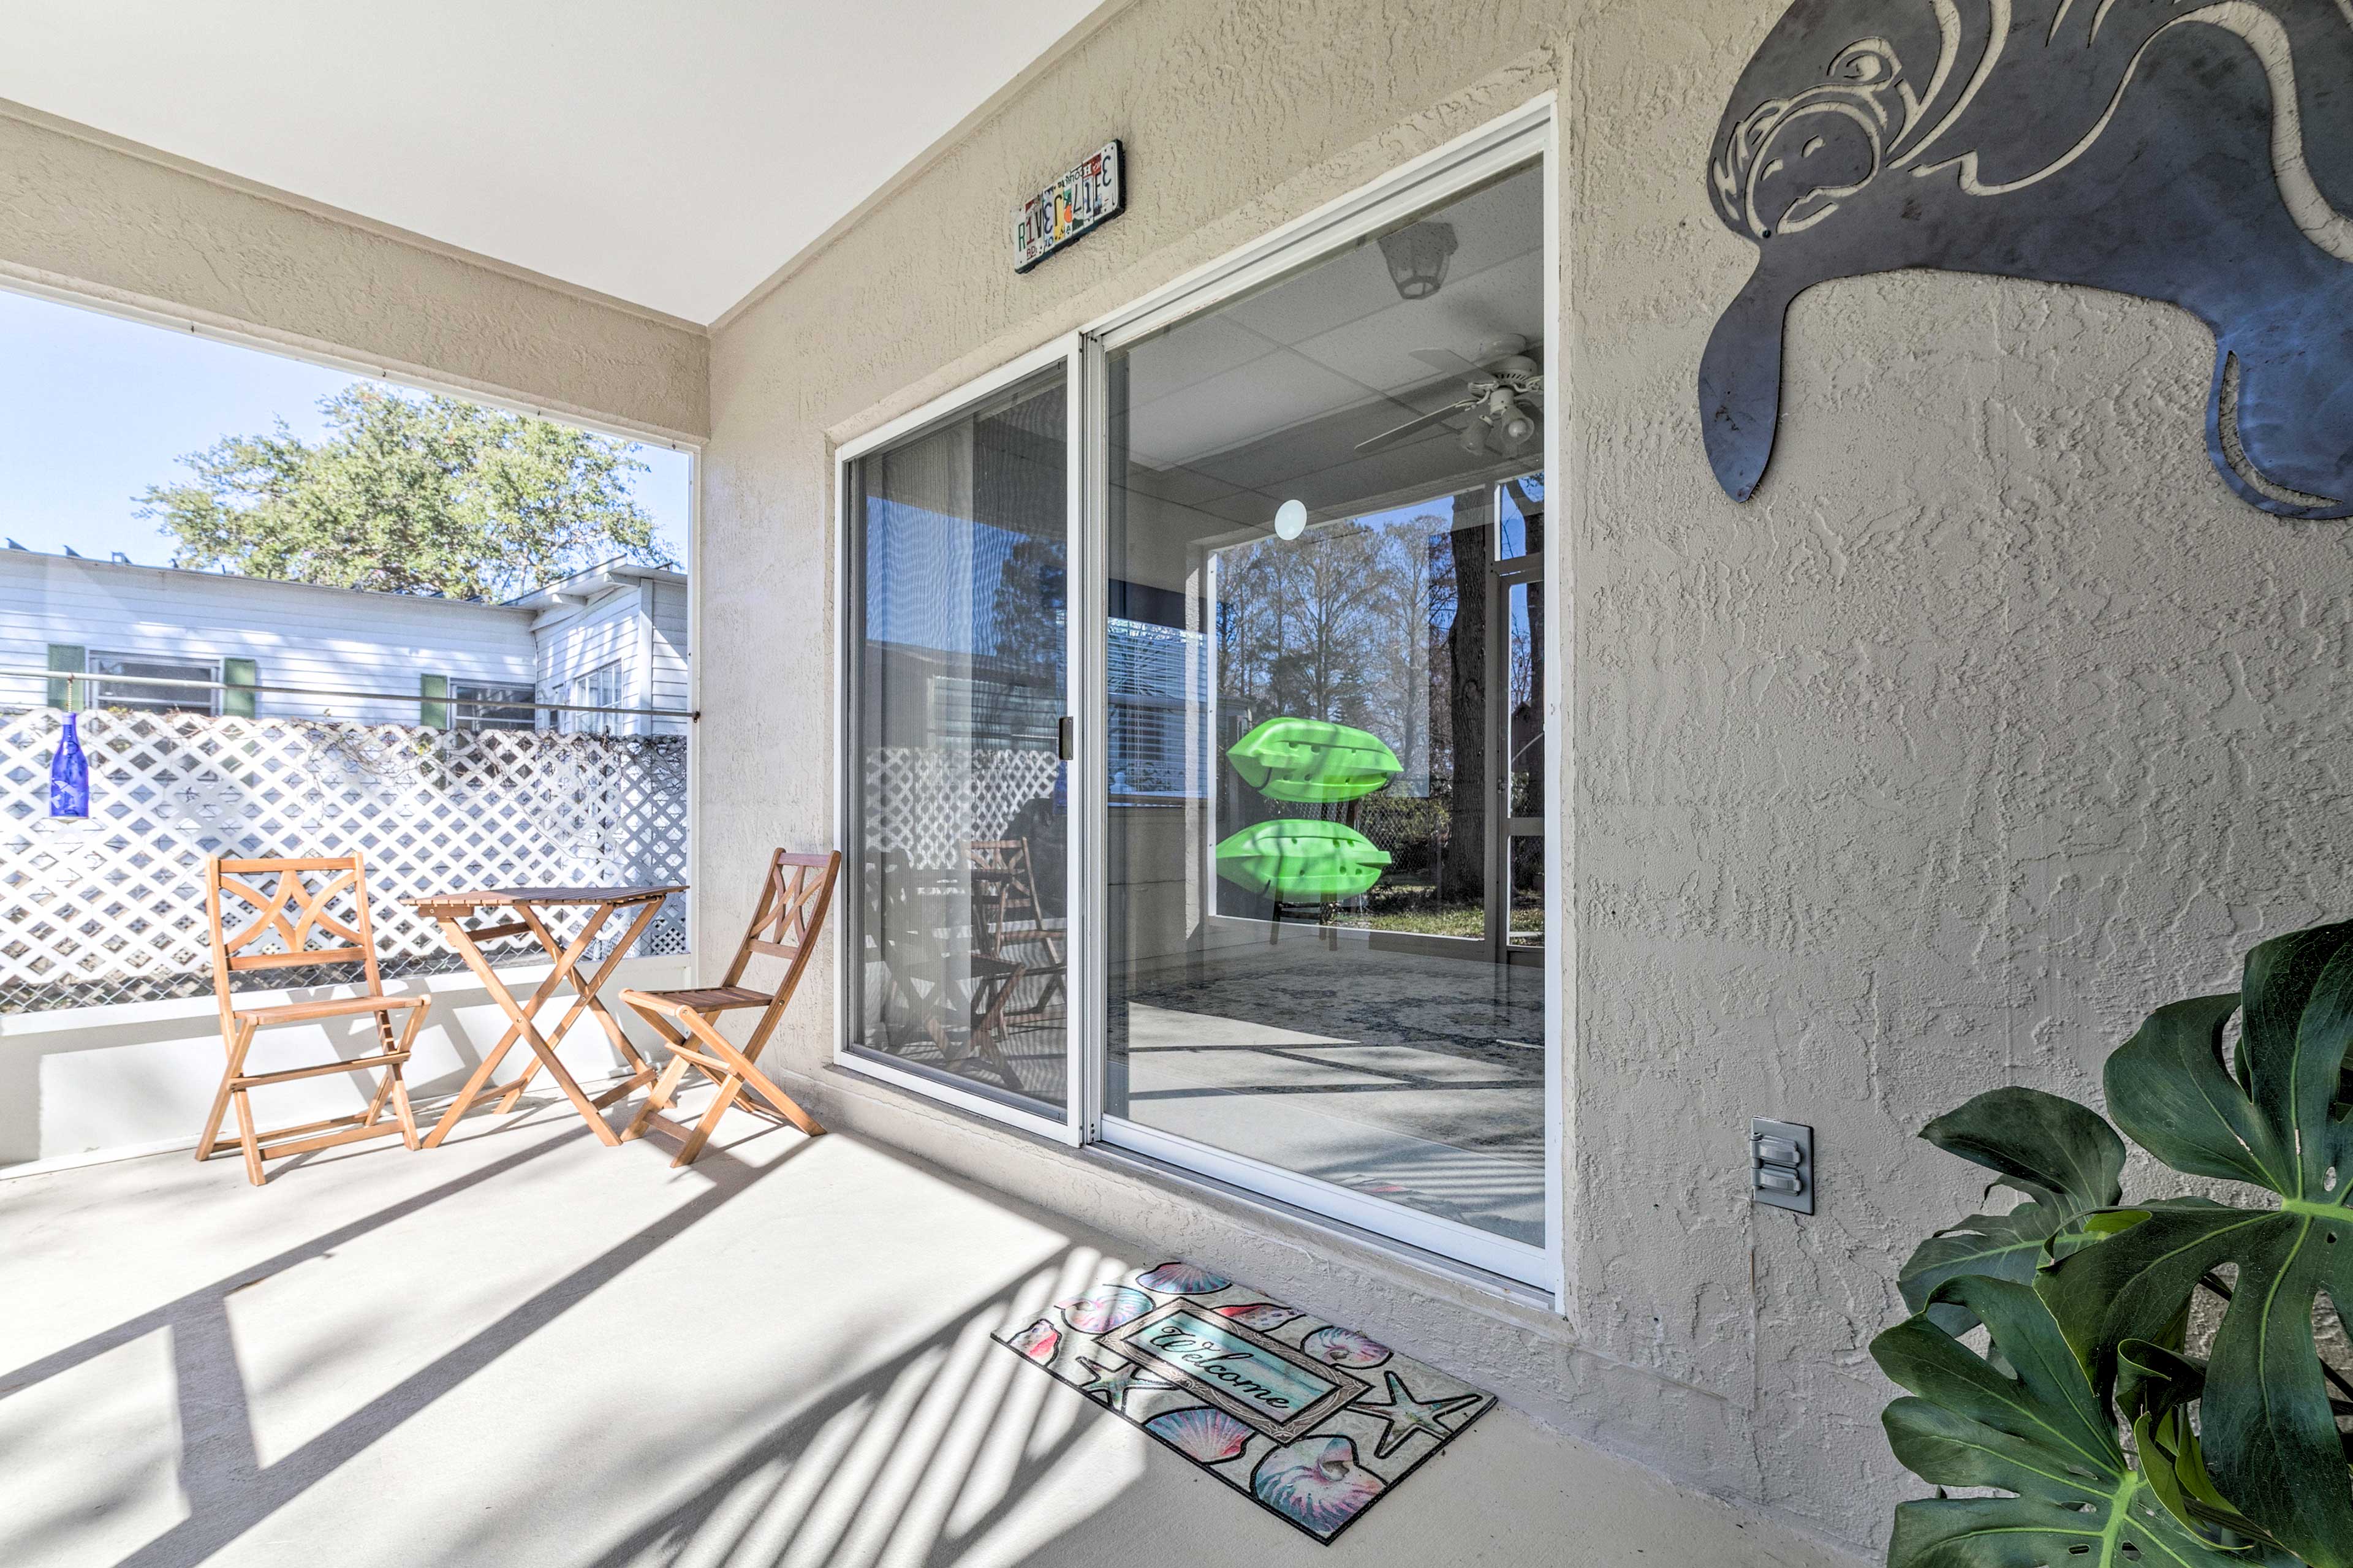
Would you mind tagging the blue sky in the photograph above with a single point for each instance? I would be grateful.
(93, 409)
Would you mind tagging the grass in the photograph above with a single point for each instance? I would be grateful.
(1417, 910)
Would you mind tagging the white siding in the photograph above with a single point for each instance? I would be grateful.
(639, 626)
(297, 635)
(670, 652)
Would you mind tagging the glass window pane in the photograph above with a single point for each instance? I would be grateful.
(1519, 511)
(480, 706)
(1325, 721)
(957, 696)
(139, 686)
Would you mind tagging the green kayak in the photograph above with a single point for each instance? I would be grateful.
(1312, 762)
(1294, 861)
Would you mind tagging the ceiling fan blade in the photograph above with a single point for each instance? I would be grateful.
(1422, 423)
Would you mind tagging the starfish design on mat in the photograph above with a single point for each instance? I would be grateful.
(1406, 1414)
(1114, 1383)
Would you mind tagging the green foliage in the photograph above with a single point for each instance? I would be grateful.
(2038, 1430)
(407, 495)
(2268, 1430)
(2065, 1159)
(2242, 1451)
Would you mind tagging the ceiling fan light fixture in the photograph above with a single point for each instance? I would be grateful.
(1418, 255)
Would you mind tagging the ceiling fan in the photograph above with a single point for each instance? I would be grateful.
(1504, 395)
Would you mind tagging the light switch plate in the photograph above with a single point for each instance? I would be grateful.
(1792, 1135)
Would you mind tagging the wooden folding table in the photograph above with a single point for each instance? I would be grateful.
(523, 906)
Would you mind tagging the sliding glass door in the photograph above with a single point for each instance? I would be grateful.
(959, 835)
(1194, 722)
(1325, 720)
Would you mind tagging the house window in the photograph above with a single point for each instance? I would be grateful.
(135, 681)
(1151, 668)
(604, 687)
(468, 699)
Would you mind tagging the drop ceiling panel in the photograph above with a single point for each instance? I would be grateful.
(1205, 347)
(1379, 351)
(1265, 396)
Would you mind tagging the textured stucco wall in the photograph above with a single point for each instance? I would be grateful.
(100, 219)
(1993, 721)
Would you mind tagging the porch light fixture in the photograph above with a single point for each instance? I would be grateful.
(1417, 255)
(1291, 519)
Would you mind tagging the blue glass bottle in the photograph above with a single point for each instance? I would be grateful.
(70, 775)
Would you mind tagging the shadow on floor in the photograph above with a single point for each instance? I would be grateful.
(932, 1448)
(924, 1457)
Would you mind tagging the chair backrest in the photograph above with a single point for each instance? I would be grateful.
(1005, 863)
(793, 905)
(293, 900)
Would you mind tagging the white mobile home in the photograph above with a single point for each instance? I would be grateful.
(612, 637)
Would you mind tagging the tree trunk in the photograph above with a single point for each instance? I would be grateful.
(1463, 872)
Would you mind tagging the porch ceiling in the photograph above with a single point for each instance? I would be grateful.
(673, 156)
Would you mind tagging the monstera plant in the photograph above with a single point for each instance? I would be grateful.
(2126, 1423)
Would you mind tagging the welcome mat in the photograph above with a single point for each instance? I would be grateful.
(1314, 1421)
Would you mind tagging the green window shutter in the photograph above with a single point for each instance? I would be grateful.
(433, 714)
(236, 672)
(69, 695)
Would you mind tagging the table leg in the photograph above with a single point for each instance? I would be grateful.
(462, 941)
(566, 957)
(641, 1072)
(521, 1025)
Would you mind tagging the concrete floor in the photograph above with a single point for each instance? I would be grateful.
(1415, 1078)
(524, 1347)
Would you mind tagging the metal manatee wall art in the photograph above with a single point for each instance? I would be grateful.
(2199, 154)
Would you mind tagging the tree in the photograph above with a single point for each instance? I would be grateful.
(407, 495)
(1464, 874)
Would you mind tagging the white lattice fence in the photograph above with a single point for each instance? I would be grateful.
(113, 909)
(928, 805)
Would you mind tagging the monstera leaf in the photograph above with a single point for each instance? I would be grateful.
(2269, 1436)
(2040, 1432)
(2155, 1389)
(2064, 1159)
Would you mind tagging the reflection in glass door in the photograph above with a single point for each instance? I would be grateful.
(1513, 827)
(959, 826)
(1324, 715)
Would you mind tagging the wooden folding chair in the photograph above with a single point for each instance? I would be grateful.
(299, 906)
(1006, 883)
(792, 912)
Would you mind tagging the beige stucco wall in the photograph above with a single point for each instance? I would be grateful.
(1993, 722)
(102, 219)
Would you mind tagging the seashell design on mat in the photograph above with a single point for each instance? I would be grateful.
(1344, 1347)
(1182, 1278)
(1105, 1307)
(1263, 1316)
(1038, 1341)
(1316, 1482)
(1200, 1433)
